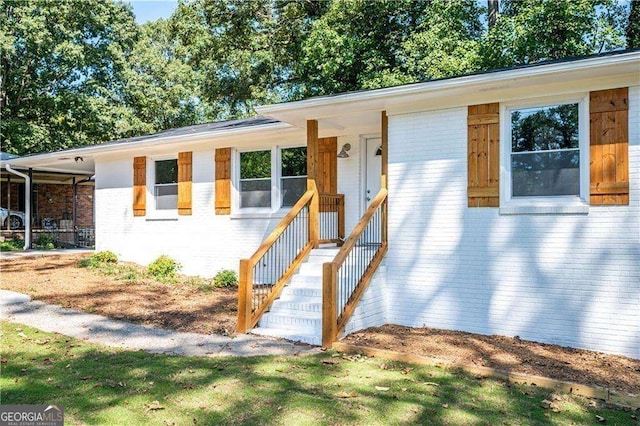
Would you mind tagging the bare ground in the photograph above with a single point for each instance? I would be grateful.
(193, 308)
(507, 354)
(184, 307)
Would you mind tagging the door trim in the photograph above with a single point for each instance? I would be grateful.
(362, 204)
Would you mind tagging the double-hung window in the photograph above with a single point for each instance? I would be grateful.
(546, 153)
(255, 179)
(293, 180)
(271, 179)
(165, 188)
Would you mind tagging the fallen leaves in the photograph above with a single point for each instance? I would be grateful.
(154, 406)
(345, 394)
(382, 388)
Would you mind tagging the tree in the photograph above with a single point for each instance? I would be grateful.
(531, 30)
(161, 88)
(633, 26)
(62, 66)
(244, 50)
(356, 45)
(445, 42)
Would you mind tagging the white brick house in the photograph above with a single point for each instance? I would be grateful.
(476, 233)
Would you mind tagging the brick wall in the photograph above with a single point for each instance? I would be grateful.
(56, 201)
(17, 194)
(570, 279)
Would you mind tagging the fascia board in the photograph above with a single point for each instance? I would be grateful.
(228, 135)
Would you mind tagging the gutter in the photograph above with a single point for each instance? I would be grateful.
(27, 205)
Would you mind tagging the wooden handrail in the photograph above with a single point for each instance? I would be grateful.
(332, 323)
(248, 315)
(278, 230)
(359, 228)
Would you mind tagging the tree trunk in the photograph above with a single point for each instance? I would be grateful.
(492, 6)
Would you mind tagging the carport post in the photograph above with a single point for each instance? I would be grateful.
(27, 203)
(9, 202)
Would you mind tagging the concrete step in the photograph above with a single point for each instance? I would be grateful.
(308, 323)
(297, 306)
(300, 291)
(295, 336)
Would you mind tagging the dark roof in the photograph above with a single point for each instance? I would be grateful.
(201, 128)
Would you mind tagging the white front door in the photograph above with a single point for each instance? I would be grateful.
(373, 168)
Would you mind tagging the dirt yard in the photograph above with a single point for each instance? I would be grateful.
(58, 280)
(507, 354)
(186, 307)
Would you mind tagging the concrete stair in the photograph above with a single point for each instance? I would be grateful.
(297, 314)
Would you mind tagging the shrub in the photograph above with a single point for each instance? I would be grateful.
(163, 267)
(99, 259)
(105, 257)
(225, 278)
(12, 245)
(45, 240)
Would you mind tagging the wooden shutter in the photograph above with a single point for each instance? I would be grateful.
(223, 181)
(139, 186)
(185, 176)
(328, 165)
(609, 146)
(483, 155)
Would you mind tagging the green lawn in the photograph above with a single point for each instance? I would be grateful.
(98, 385)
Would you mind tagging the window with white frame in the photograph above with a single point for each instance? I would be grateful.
(165, 189)
(255, 179)
(273, 178)
(293, 180)
(546, 151)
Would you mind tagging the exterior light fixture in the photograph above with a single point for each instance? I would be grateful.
(343, 152)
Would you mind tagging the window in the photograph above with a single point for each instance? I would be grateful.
(270, 179)
(255, 179)
(293, 181)
(546, 152)
(166, 184)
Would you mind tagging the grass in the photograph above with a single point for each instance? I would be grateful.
(98, 385)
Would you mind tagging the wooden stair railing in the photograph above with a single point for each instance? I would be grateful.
(264, 274)
(347, 276)
(331, 219)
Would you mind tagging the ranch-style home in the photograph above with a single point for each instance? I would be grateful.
(505, 202)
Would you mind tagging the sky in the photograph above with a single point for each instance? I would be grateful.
(150, 10)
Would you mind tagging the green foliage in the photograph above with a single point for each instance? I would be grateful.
(255, 164)
(15, 244)
(530, 30)
(225, 278)
(77, 73)
(98, 260)
(164, 268)
(45, 240)
(633, 26)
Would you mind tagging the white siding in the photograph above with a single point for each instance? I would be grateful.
(203, 242)
(566, 279)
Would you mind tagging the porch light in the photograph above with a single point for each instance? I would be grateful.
(343, 152)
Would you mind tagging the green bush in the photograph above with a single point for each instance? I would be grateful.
(99, 259)
(15, 244)
(225, 278)
(45, 240)
(105, 257)
(163, 267)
